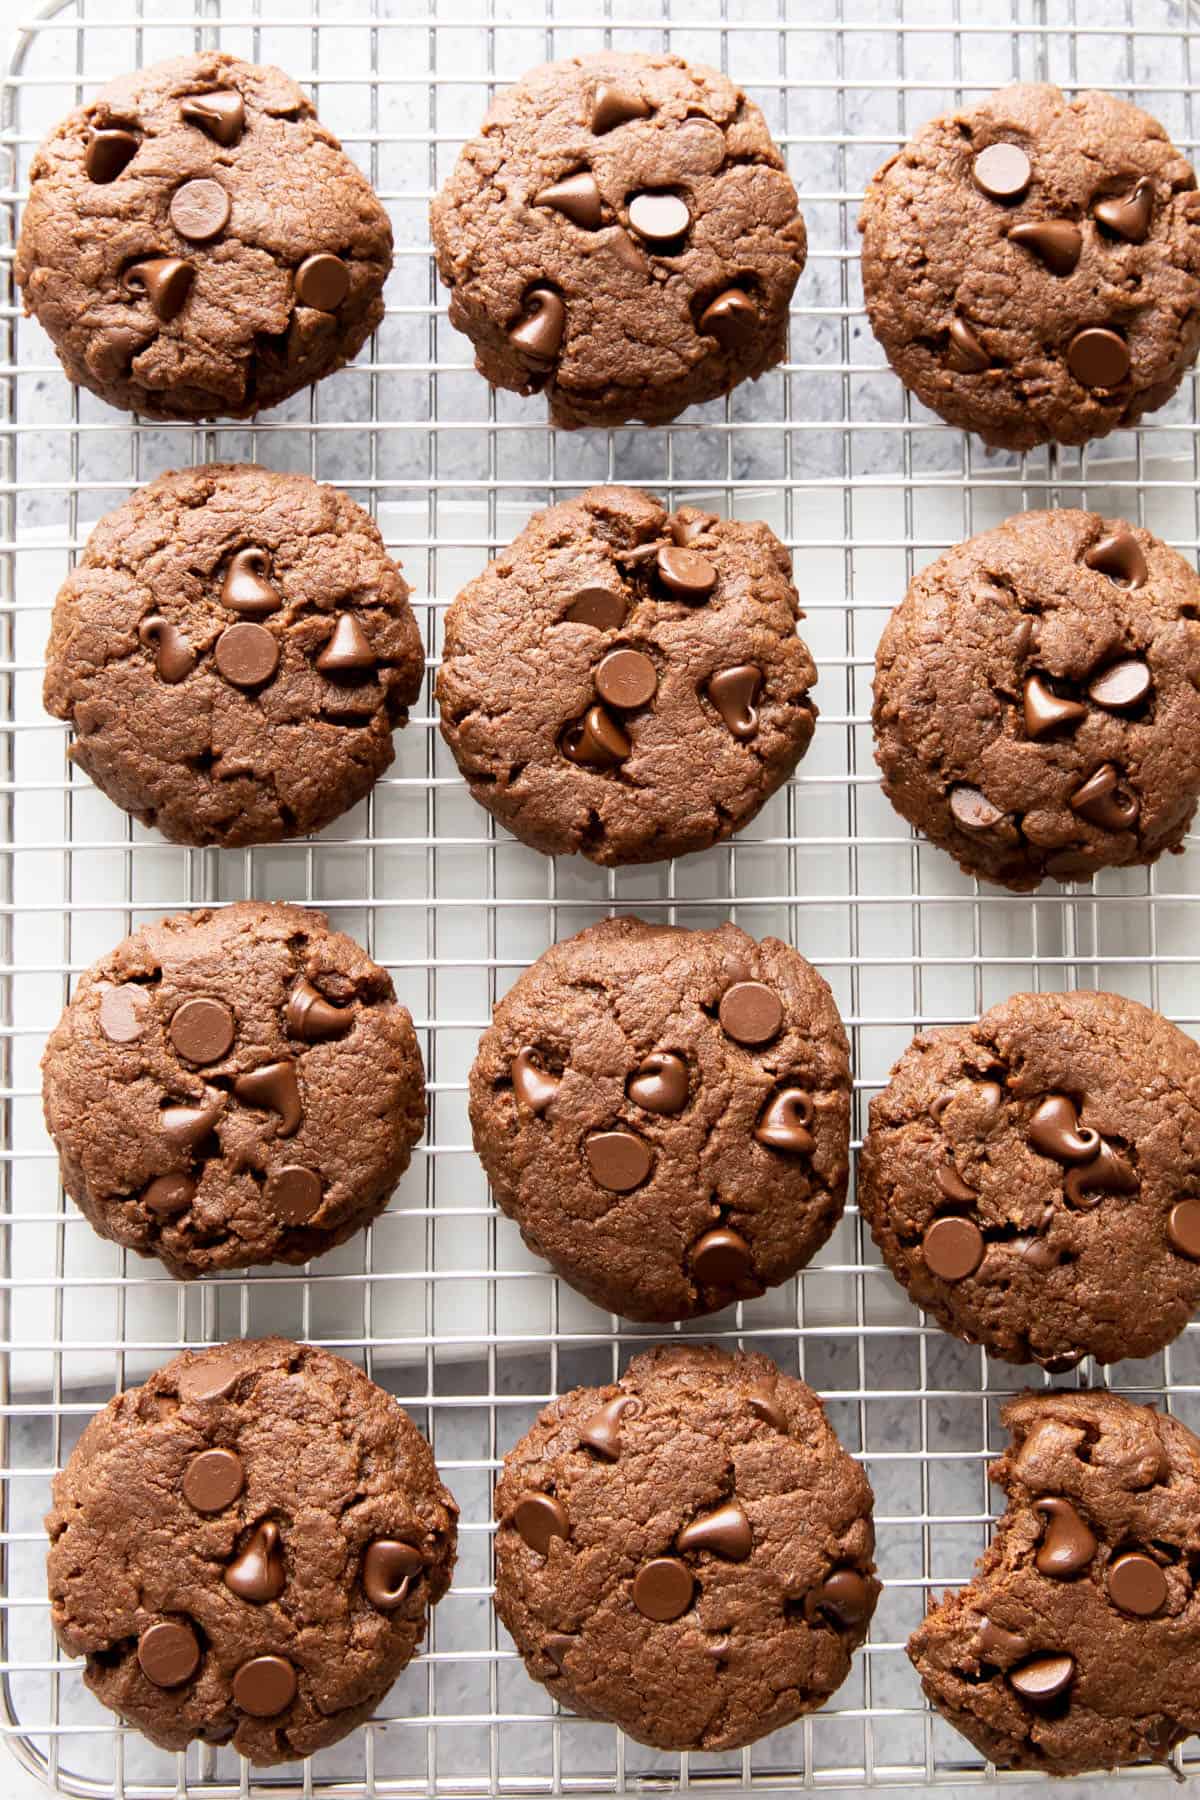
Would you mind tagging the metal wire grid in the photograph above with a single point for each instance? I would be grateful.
(438, 1301)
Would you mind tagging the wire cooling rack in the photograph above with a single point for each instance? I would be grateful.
(439, 1301)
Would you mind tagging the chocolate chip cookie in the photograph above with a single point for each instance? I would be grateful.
(666, 1114)
(245, 1549)
(196, 244)
(622, 236)
(235, 1087)
(1031, 266)
(627, 683)
(234, 650)
(1076, 1646)
(1036, 707)
(1033, 1179)
(688, 1551)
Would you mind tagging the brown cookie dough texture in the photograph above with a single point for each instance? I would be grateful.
(1031, 266)
(233, 1087)
(197, 245)
(687, 1552)
(245, 1549)
(1036, 709)
(1033, 1179)
(666, 1114)
(627, 683)
(622, 236)
(234, 650)
(1076, 1646)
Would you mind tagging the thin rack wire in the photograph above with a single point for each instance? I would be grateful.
(438, 1300)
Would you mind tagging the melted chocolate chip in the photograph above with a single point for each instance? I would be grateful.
(273, 1088)
(309, 1015)
(247, 655)
(952, 1248)
(1098, 357)
(731, 318)
(685, 573)
(722, 1258)
(1103, 800)
(1129, 216)
(1137, 1585)
(750, 1013)
(723, 1532)
(951, 1184)
(660, 1083)
(209, 1377)
(388, 1571)
(1045, 711)
(539, 1518)
(213, 1480)
(187, 1125)
(1054, 1129)
(844, 1595)
(265, 1686)
(200, 210)
(578, 198)
(1120, 558)
(600, 1431)
(733, 692)
(124, 1012)
(1068, 1545)
(784, 1121)
(246, 588)
(532, 1085)
(202, 1029)
(168, 1654)
(1043, 1678)
(973, 810)
(109, 152)
(597, 606)
(540, 333)
(1055, 242)
(996, 1645)
(166, 282)
(1002, 171)
(613, 105)
(1183, 1228)
(619, 1161)
(596, 741)
(763, 1401)
(258, 1574)
(1107, 1173)
(322, 282)
(966, 353)
(221, 114)
(174, 658)
(168, 1195)
(663, 1589)
(348, 651)
(294, 1193)
(626, 679)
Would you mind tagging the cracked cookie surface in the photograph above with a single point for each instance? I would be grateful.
(665, 1113)
(1076, 1645)
(245, 1549)
(1036, 708)
(1033, 1179)
(234, 650)
(197, 245)
(622, 236)
(688, 1551)
(1031, 266)
(234, 1087)
(627, 683)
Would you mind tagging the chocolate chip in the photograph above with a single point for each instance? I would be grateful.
(685, 573)
(1055, 242)
(1103, 800)
(619, 1161)
(1137, 1585)
(213, 1480)
(1054, 1129)
(577, 197)
(531, 1084)
(596, 741)
(199, 210)
(166, 282)
(686, 531)
(247, 655)
(966, 353)
(209, 1377)
(124, 1012)
(322, 282)
(1129, 217)
(973, 810)
(1107, 1173)
(168, 1654)
(265, 1686)
(845, 1594)
(246, 588)
(221, 115)
(258, 1574)
(557, 1644)
(309, 1015)
(731, 318)
(202, 1029)
(613, 105)
(1183, 1228)
(1002, 171)
(763, 1401)
(626, 251)
(540, 333)
(1068, 1545)
(108, 153)
(750, 1012)
(600, 1431)
(274, 1088)
(539, 1518)
(733, 693)
(659, 218)
(1098, 357)
(1046, 711)
(1122, 685)
(663, 1589)
(348, 651)
(1043, 1678)
(724, 1532)
(952, 1248)
(951, 1184)
(996, 1645)
(185, 1126)
(293, 1193)
(784, 1121)
(599, 607)
(626, 679)
(388, 1570)
(1120, 558)
(660, 1083)
(168, 1195)
(722, 1258)
(174, 658)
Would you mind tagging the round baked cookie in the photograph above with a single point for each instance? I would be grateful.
(622, 236)
(245, 1549)
(1036, 707)
(1033, 1179)
(234, 650)
(1031, 266)
(666, 1114)
(627, 683)
(234, 1087)
(1076, 1645)
(688, 1551)
(196, 244)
